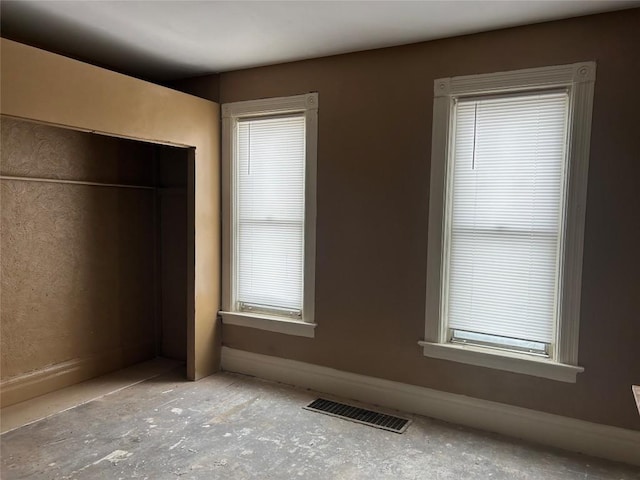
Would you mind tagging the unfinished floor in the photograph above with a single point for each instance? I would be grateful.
(236, 427)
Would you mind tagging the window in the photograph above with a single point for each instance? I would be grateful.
(506, 219)
(269, 169)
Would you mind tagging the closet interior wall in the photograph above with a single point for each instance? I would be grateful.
(93, 256)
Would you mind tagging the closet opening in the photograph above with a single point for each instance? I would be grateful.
(94, 265)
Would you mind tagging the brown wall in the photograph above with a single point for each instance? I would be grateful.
(207, 86)
(172, 236)
(373, 191)
(93, 278)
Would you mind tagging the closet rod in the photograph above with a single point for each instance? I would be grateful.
(74, 182)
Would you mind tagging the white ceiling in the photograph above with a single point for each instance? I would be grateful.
(165, 40)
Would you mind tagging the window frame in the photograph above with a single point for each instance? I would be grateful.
(306, 104)
(578, 79)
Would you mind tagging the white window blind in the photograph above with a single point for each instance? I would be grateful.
(269, 215)
(504, 215)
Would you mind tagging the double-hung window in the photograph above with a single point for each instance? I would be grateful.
(269, 169)
(506, 219)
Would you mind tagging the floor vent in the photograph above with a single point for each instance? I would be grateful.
(359, 415)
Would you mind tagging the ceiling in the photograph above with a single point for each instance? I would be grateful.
(166, 40)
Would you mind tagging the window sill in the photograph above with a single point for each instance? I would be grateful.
(508, 361)
(269, 323)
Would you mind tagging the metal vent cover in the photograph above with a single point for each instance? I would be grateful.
(359, 415)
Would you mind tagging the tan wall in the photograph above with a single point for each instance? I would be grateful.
(52, 89)
(373, 190)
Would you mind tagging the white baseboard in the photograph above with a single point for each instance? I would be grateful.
(604, 441)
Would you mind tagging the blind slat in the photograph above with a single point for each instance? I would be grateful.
(269, 229)
(504, 215)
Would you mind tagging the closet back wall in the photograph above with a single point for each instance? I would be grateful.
(78, 285)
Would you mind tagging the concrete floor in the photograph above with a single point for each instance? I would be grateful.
(235, 427)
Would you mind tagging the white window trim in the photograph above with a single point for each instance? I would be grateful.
(231, 112)
(579, 79)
